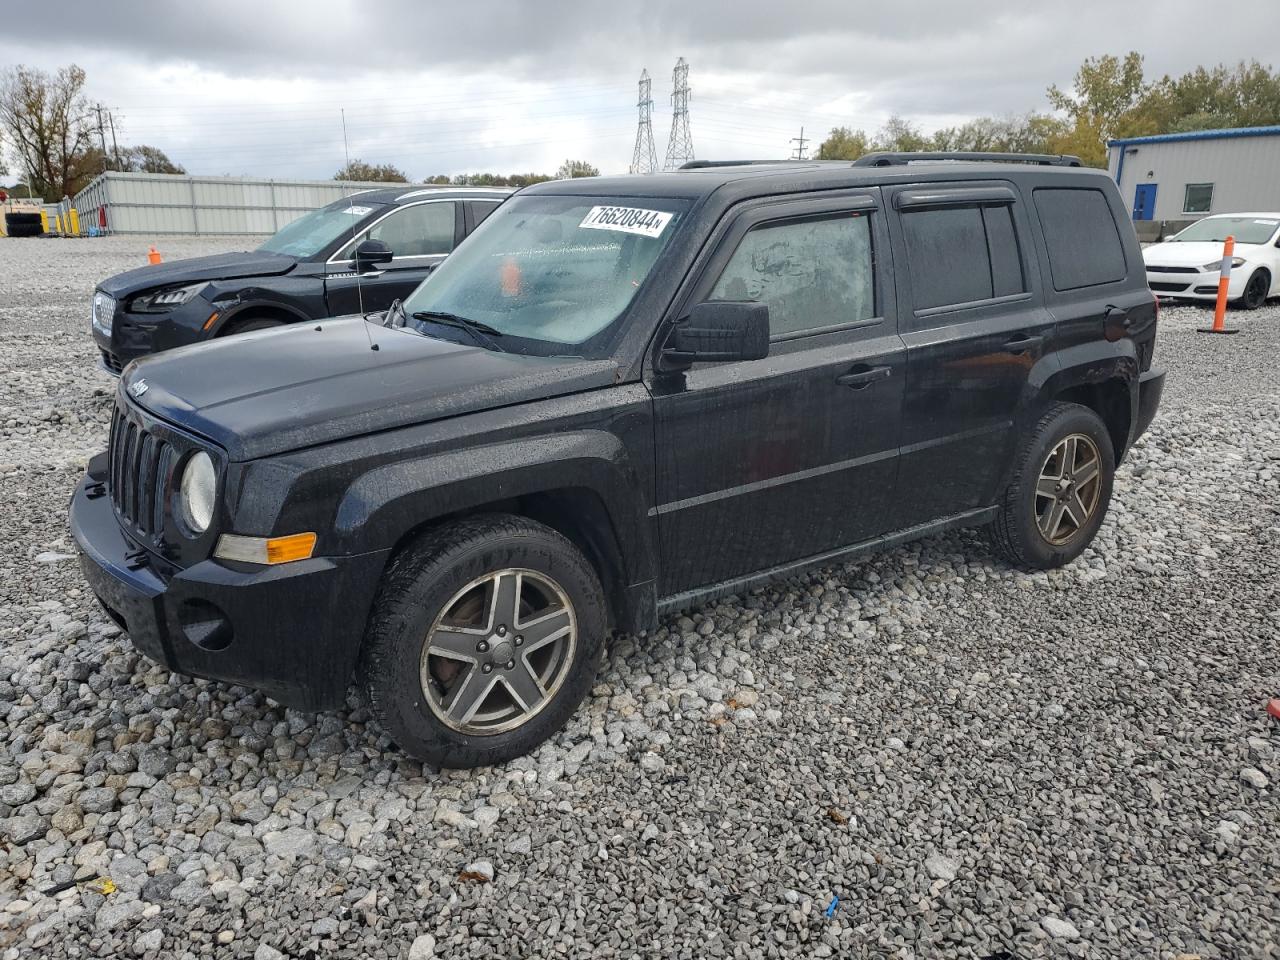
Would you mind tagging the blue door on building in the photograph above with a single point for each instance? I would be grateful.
(1144, 201)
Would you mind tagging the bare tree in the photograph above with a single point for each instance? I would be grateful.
(48, 121)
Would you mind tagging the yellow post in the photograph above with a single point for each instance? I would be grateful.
(75, 222)
(44, 221)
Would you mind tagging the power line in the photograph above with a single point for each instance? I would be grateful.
(680, 143)
(644, 158)
(800, 141)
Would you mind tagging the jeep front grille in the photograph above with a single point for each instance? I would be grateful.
(139, 467)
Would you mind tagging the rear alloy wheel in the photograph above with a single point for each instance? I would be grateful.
(485, 637)
(1060, 490)
(1256, 290)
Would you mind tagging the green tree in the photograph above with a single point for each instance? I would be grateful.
(47, 119)
(147, 159)
(843, 143)
(371, 172)
(1105, 102)
(440, 178)
(576, 168)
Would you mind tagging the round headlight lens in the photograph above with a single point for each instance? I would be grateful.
(196, 493)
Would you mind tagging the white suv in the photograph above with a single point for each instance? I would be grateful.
(1187, 265)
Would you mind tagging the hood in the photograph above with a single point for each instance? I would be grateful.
(1193, 254)
(277, 390)
(224, 266)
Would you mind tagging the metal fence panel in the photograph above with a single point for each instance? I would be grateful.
(156, 204)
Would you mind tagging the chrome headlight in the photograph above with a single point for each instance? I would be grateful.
(104, 308)
(158, 301)
(197, 491)
(1216, 266)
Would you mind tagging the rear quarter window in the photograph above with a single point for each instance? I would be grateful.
(1081, 235)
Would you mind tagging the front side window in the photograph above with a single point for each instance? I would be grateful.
(1198, 198)
(422, 230)
(312, 232)
(811, 273)
(552, 274)
(962, 254)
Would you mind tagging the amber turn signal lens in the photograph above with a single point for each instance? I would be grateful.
(213, 318)
(265, 550)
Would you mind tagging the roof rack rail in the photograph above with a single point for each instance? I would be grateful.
(894, 159)
(704, 164)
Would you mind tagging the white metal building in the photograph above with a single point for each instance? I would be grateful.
(1176, 178)
(160, 203)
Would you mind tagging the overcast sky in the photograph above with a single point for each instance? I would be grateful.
(239, 87)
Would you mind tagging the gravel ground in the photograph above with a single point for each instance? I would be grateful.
(1074, 764)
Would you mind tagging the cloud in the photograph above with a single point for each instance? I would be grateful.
(254, 87)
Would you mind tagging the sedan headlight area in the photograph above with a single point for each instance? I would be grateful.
(102, 312)
(159, 301)
(1216, 266)
(196, 493)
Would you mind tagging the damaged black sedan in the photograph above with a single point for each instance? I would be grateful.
(355, 255)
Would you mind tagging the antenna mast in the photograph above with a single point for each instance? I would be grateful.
(644, 159)
(680, 143)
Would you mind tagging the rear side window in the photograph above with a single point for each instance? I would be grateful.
(962, 254)
(811, 273)
(1081, 236)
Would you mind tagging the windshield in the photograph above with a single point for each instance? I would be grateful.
(314, 231)
(550, 275)
(1217, 229)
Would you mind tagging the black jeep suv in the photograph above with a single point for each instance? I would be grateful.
(356, 255)
(619, 397)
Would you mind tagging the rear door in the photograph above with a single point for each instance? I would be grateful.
(420, 236)
(975, 325)
(768, 461)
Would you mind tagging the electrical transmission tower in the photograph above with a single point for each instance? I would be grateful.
(800, 141)
(680, 143)
(644, 159)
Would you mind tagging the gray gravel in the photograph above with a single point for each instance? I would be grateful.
(999, 764)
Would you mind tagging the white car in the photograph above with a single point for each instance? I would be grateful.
(1188, 264)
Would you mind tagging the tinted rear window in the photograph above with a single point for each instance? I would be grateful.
(962, 255)
(1082, 237)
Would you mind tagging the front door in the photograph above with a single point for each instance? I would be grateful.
(975, 325)
(1144, 201)
(769, 461)
(420, 236)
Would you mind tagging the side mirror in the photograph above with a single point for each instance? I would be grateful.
(718, 331)
(370, 253)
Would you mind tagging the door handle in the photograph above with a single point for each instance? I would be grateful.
(1022, 344)
(860, 379)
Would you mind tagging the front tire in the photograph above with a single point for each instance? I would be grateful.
(1256, 290)
(1060, 492)
(485, 637)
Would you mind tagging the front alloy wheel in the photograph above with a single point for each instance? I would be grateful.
(498, 652)
(485, 636)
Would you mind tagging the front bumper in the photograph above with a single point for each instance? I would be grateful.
(293, 631)
(1150, 390)
(1198, 285)
(135, 335)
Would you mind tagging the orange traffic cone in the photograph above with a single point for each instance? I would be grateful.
(153, 256)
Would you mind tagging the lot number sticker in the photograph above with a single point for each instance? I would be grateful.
(646, 223)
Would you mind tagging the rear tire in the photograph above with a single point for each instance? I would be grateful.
(25, 229)
(485, 636)
(1060, 491)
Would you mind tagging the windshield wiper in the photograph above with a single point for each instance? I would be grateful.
(481, 333)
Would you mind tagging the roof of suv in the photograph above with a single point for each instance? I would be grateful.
(415, 191)
(761, 179)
